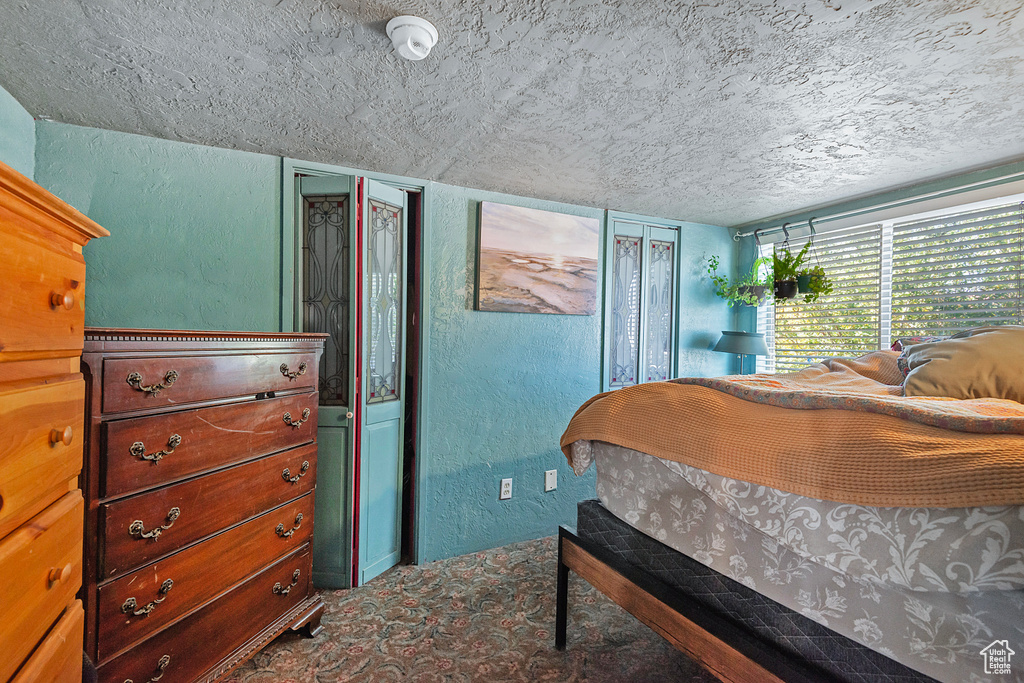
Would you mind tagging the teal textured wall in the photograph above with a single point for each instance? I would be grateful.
(195, 237)
(503, 386)
(195, 244)
(17, 135)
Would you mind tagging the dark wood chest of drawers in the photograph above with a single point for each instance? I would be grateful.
(199, 482)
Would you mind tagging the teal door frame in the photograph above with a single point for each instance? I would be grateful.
(291, 251)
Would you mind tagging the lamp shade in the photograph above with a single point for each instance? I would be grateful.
(751, 343)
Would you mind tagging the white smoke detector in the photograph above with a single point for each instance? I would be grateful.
(413, 37)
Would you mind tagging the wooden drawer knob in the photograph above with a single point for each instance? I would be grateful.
(65, 300)
(61, 436)
(58, 574)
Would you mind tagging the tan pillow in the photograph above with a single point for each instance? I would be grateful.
(984, 362)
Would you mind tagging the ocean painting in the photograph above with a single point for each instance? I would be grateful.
(534, 261)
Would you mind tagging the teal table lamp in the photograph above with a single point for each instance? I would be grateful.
(742, 343)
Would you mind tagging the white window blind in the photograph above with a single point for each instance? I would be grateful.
(958, 271)
(843, 323)
(935, 275)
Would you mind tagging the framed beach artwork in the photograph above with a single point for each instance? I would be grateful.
(533, 261)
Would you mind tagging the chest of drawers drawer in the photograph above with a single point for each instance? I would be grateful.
(147, 451)
(41, 428)
(184, 650)
(141, 603)
(145, 383)
(58, 659)
(41, 566)
(142, 528)
(42, 300)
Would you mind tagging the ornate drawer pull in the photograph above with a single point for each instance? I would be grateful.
(161, 667)
(129, 605)
(286, 534)
(296, 423)
(135, 382)
(284, 590)
(294, 373)
(137, 528)
(287, 473)
(138, 449)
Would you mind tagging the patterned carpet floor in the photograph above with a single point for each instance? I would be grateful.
(488, 616)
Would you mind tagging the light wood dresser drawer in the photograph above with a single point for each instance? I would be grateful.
(41, 435)
(144, 527)
(145, 451)
(140, 603)
(204, 640)
(41, 566)
(58, 659)
(42, 302)
(144, 383)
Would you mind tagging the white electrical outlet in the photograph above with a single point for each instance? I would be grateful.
(506, 489)
(551, 480)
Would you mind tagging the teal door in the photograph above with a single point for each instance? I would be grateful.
(382, 377)
(328, 268)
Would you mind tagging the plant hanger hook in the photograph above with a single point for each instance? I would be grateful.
(785, 230)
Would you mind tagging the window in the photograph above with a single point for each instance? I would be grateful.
(641, 302)
(918, 276)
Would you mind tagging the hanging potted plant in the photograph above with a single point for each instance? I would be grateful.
(818, 284)
(786, 268)
(750, 289)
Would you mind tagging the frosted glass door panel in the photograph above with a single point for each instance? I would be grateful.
(385, 305)
(625, 309)
(325, 298)
(661, 287)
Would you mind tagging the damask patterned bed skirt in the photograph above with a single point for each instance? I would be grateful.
(774, 562)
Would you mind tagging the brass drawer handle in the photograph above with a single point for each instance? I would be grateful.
(61, 436)
(129, 605)
(135, 382)
(138, 449)
(287, 473)
(284, 590)
(65, 300)
(137, 528)
(286, 534)
(296, 423)
(161, 666)
(295, 373)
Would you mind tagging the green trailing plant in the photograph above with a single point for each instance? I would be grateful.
(818, 285)
(750, 289)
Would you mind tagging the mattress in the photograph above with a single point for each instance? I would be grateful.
(931, 588)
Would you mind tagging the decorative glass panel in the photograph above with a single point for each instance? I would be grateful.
(660, 286)
(325, 299)
(385, 303)
(625, 311)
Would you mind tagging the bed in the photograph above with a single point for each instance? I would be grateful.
(812, 526)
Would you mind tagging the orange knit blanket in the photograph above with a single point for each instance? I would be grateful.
(836, 431)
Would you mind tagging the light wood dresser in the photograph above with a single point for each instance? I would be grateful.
(42, 315)
(199, 481)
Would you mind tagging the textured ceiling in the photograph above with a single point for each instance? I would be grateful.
(723, 111)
